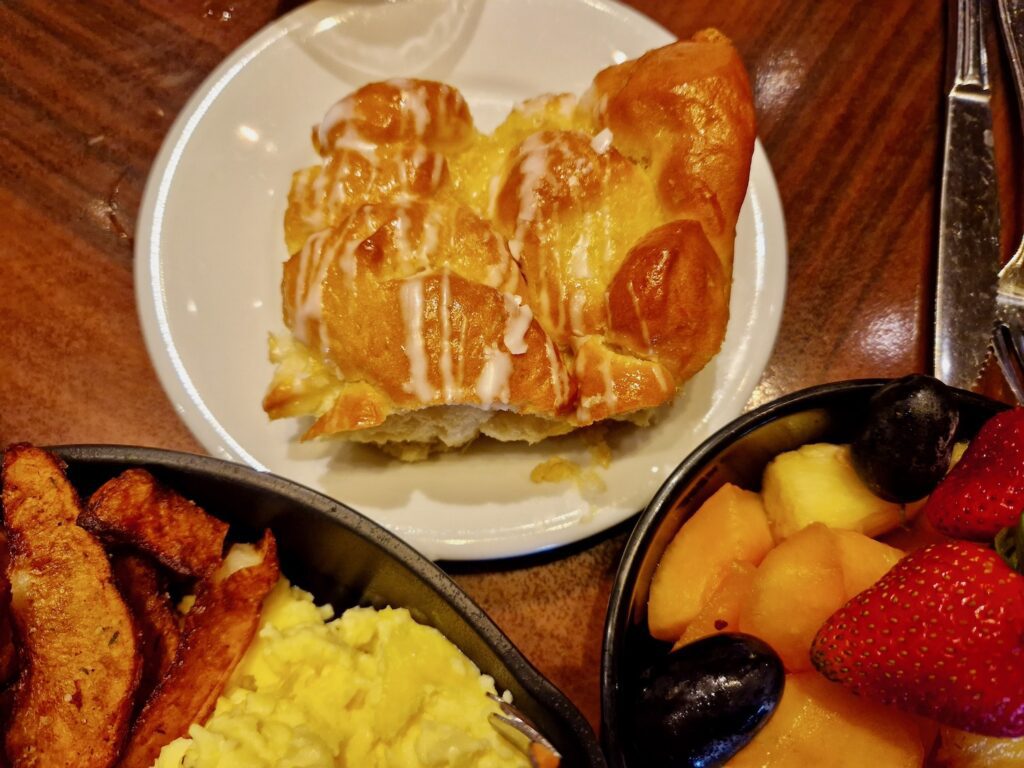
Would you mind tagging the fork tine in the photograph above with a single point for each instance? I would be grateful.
(1008, 345)
(517, 728)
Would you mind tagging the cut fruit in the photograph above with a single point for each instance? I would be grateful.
(721, 613)
(820, 723)
(960, 749)
(817, 484)
(729, 527)
(797, 587)
(864, 560)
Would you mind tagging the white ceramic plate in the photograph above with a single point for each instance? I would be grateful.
(210, 248)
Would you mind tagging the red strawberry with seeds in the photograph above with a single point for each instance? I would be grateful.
(984, 492)
(941, 635)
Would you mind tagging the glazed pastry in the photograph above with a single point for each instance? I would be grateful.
(573, 266)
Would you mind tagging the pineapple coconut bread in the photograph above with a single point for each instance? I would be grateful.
(572, 267)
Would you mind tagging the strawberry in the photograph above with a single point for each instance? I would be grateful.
(941, 635)
(984, 492)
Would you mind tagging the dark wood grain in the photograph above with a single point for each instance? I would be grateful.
(849, 101)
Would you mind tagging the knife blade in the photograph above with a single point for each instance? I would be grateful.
(968, 256)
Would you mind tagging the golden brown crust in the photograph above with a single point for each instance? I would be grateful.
(619, 215)
(8, 651)
(686, 112)
(670, 299)
(157, 623)
(74, 695)
(218, 630)
(401, 110)
(134, 509)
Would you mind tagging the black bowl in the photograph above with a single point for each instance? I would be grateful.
(737, 453)
(345, 559)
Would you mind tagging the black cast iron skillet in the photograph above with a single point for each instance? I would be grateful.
(345, 559)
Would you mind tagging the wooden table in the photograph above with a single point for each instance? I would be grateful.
(849, 100)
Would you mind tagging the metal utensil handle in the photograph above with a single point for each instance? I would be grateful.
(1011, 18)
(971, 59)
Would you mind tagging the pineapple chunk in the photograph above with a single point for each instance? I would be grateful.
(959, 749)
(817, 483)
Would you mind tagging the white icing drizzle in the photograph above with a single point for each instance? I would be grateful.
(583, 406)
(308, 292)
(559, 379)
(414, 103)
(351, 139)
(431, 235)
(411, 294)
(577, 303)
(640, 316)
(533, 166)
(602, 141)
(493, 382)
(579, 264)
(419, 157)
(447, 380)
(347, 261)
(517, 323)
(659, 374)
(436, 170)
(493, 189)
(339, 112)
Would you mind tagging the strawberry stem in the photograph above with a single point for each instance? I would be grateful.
(1009, 544)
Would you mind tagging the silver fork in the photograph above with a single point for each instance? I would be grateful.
(1008, 338)
(523, 734)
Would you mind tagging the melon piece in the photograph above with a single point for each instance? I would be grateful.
(864, 560)
(819, 723)
(798, 585)
(729, 527)
(960, 749)
(817, 483)
(721, 613)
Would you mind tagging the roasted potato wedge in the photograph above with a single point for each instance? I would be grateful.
(8, 651)
(79, 662)
(135, 509)
(157, 623)
(218, 629)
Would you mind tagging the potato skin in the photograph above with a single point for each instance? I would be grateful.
(79, 663)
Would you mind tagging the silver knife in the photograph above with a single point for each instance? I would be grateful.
(968, 258)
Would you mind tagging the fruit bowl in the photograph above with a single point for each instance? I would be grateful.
(345, 559)
(736, 454)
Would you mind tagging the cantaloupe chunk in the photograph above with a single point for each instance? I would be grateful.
(819, 723)
(864, 560)
(959, 749)
(817, 483)
(721, 613)
(729, 527)
(798, 585)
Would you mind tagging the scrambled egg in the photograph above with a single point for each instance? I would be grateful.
(369, 689)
